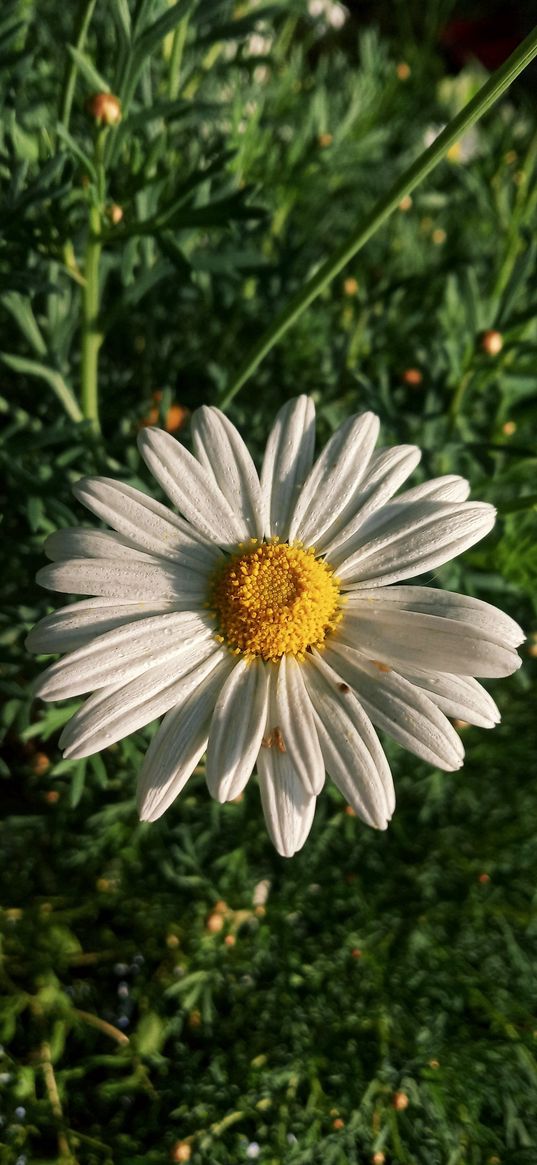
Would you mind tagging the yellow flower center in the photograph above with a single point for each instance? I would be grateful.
(272, 599)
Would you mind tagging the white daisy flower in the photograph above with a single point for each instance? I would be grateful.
(267, 622)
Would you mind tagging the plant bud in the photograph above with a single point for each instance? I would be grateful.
(104, 108)
(412, 376)
(492, 342)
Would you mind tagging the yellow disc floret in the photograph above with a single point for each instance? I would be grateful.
(273, 599)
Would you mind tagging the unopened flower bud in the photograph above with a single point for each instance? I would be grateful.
(181, 1151)
(492, 342)
(350, 286)
(412, 376)
(104, 108)
(40, 763)
(114, 213)
(400, 1101)
(214, 923)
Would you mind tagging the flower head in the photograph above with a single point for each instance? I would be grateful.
(266, 619)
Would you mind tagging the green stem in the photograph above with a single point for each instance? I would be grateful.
(176, 58)
(494, 88)
(91, 336)
(68, 89)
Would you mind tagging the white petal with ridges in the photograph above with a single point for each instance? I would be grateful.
(145, 523)
(117, 578)
(292, 716)
(287, 462)
(191, 488)
(77, 542)
(178, 745)
(79, 623)
(412, 539)
(476, 614)
(122, 654)
(237, 729)
(221, 450)
(459, 696)
(388, 469)
(449, 488)
(288, 809)
(395, 706)
(352, 752)
(112, 713)
(407, 639)
(334, 479)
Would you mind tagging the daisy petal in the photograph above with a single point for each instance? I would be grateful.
(398, 708)
(388, 469)
(79, 623)
(144, 522)
(333, 482)
(409, 639)
(293, 725)
(288, 809)
(122, 654)
(222, 452)
(449, 488)
(112, 713)
(474, 613)
(459, 696)
(351, 749)
(412, 539)
(287, 462)
(115, 578)
(191, 488)
(178, 745)
(237, 729)
(77, 542)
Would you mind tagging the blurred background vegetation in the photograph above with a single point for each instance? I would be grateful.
(177, 991)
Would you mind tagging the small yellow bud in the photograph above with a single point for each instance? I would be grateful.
(114, 213)
(350, 286)
(181, 1151)
(39, 764)
(104, 108)
(491, 342)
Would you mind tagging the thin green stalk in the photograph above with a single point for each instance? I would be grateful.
(68, 89)
(523, 209)
(91, 335)
(494, 88)
(176, 58)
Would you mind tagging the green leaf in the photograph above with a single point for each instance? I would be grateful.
(95, 80)
(77, 783)
(76, 150)
(20, 308)
(34, 368)
(156, 32)
(123, 19)
(150, 1034)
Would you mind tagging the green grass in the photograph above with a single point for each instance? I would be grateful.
(380, 964)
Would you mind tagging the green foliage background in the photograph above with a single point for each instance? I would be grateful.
(253, 140)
